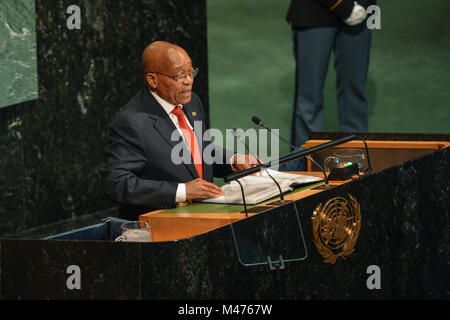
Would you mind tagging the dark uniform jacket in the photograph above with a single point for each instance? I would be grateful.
(322, 13)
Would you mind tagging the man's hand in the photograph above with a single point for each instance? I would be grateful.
(358, 15)
(244, 161)
(202, 189)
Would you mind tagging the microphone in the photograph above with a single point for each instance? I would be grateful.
(239, 137)
(259, 122)
(256, 120)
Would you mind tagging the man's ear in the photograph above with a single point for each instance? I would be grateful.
(151, 80)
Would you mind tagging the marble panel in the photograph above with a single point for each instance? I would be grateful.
(18, 62)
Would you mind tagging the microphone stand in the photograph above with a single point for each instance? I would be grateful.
(259, 122)
(289, 157)
(282, 200)
(243, 198)
(369, 166)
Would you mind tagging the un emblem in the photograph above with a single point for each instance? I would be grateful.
(336, 227)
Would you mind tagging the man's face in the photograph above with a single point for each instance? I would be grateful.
(178, 63)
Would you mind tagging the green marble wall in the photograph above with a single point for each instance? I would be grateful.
(18, 63)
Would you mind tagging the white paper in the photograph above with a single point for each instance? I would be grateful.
(261, 187)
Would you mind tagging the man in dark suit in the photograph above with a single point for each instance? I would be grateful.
(144, 168)
(318, 28)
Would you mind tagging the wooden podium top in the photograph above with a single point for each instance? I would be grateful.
(190, 220)
(382, 144)
(383, 153)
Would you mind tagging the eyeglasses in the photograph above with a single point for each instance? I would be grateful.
(181, 77)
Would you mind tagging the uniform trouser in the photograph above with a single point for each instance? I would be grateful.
(312, 50)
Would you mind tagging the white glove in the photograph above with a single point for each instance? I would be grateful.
(358, 15)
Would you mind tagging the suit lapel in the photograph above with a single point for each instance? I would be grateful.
(164, 125)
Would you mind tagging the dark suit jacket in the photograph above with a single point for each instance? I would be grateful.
(316, 13)
(139, 173)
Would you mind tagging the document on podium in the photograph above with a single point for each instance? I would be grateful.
(261, 187)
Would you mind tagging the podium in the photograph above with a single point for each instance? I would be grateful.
(392, 244)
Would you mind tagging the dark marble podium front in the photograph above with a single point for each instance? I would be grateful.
(404, 231)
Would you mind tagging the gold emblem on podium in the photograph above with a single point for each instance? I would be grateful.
(336, 227)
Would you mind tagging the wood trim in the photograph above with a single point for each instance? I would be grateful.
(378, 144)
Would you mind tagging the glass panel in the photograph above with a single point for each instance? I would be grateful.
(273, 237)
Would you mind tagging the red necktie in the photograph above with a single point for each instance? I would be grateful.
(191, 141)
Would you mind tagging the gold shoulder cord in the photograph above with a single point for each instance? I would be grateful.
(335, 5)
